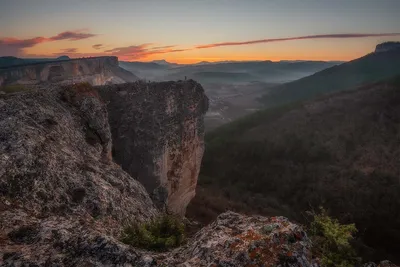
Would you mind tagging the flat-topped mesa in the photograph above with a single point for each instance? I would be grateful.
(96, 71)
(158, 137)
(387, 46)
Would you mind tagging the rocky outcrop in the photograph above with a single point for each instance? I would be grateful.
(237, 240)
(96, 71)
(232, 240)
(387, 46)
(55, 159)
(158, 133)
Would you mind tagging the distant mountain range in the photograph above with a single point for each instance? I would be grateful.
(370, 68)
(14, 61)
(227, 72)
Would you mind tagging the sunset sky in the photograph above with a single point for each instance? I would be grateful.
(187, 31)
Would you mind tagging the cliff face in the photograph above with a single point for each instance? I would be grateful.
(96, 71)
(158, 133)
(55, 149)
(388, 46)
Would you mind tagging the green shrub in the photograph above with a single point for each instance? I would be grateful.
(13, 88)
(161, 234)
(331, 240)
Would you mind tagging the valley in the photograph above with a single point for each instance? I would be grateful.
(234, 88)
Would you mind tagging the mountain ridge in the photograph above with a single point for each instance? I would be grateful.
(367, 69)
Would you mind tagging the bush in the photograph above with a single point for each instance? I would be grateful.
(331, 240)
(74, 93)
(9, 89)
(161, 234)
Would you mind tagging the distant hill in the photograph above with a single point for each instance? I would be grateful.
(223, 77)
(368, 69)
(14, 61)
(165, 63)
(227, 72)
(340, 151)
(95, 70)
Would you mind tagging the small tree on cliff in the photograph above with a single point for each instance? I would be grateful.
(331, 240)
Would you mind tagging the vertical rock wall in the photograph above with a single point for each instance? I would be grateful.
(158, 137)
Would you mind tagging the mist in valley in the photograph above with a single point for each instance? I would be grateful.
(233, 88)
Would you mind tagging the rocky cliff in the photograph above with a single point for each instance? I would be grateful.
(96, 71)
(64, 202)
(158, 137)
(387, 46)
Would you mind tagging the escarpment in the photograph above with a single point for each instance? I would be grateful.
(96, 71)
(158, 137)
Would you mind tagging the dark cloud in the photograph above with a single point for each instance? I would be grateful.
(14, 46)
(322, 36)
(69, 50)
(97, 46)
(73, 36)
(163, 47)
(135, 52)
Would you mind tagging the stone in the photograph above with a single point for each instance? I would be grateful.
(232, 240)
(49, 166)
(158, 137)
(237, 240)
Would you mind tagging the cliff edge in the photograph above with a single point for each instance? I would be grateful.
(387, 46)
(96, 71)
(158, 137)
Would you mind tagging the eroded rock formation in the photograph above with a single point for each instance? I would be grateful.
(96, 71)
(232, 240)
(55, 159)
(158, 137)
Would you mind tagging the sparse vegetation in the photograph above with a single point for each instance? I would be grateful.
(75, 92)
(331, 240)
(161, 234)
(13, 88)
(283, 160)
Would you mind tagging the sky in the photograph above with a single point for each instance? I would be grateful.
(189, 31)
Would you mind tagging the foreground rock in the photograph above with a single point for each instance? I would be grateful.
(233, 240)
(158, 137)
(237, 240)
(55, 159)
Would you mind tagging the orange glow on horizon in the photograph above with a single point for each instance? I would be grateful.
(244, 58)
